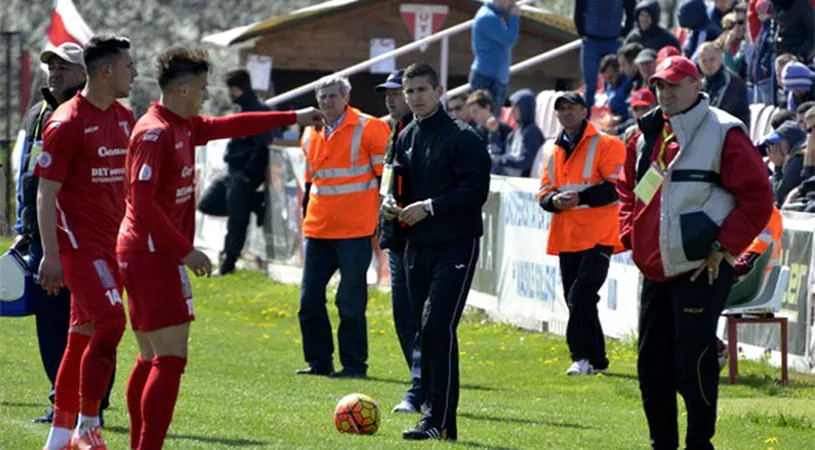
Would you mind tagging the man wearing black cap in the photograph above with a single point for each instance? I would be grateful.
(786, 148)
(247, 159)
(578, 187)
(694, 192)
(392, 238)
(66, 76)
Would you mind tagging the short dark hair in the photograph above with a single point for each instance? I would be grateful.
(482, 98)
(101, 49)
(609, 61)
(239, 78)
(780, 116)
(804, 107)
(179, 62)
(422, 70)
(630, 51)
(462, 97)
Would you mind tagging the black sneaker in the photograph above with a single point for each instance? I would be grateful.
(47, 418)
(423, 431)
(316, 371)
(344, 373)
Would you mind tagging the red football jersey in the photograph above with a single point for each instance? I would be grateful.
(84, 149)
(160, 215)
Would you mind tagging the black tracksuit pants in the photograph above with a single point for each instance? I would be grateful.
(439, 279)
(583, 274)
(677, 352)
(242, 199)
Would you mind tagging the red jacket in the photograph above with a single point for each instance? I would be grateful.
(742, 173)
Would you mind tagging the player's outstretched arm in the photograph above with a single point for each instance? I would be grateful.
(50, 273)
(206, 128)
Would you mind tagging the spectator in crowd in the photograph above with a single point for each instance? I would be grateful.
(731, 41)
(761, 64)
(780, 116)
(785, 148)
(600, 24)
(719, 9)
(795, 28)
(446, 189)
(803, 197)
(246, 158)
(646, 62)
(686, 282)
(668, 50)
(457, 106)
(392, 238)
(802, 111)
(798, 84)
(340, 209)
(524, 142)
(494, 131)
(642, 102)
(578, 188)
(780, 63)
(495, 31)
(726, 90)
(618, 87)
(66, 77)
(693, 16)
(648, 32)
(627, 57)
(809, 161)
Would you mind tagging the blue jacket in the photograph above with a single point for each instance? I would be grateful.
(493, 36)
(525, 141)
(603, 19)
(716, 16)
(693, 15)
(618, 97)
(762, 63)
(655, 37)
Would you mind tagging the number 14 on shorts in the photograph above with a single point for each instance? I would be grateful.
(113, 296)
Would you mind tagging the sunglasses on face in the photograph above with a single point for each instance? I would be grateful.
(810, 130)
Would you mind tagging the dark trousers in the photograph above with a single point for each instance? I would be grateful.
(583, 274)
(497, 90)
(591, 52)
(677, 352)
(52, 317)
(439, 279)
(322, 257)
(242, 199)
(403, 322)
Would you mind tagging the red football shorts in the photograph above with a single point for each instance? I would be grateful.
(95, 285)
(159, 293)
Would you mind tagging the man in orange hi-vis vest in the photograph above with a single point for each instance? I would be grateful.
(341, 206)
(579, 187)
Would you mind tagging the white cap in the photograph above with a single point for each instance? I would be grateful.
(68, 52)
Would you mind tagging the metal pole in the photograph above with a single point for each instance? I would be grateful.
(7, 35)
(445, 61)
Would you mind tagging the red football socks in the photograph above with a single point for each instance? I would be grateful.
(66, 389)
(135, 388)
(158, 400)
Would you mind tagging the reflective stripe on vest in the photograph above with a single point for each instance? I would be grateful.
(354, 171)
(349, 188)
(588, 167)
(356, 140)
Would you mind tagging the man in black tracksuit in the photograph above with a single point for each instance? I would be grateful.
(446, 182)
(247, 159)
(66, 76)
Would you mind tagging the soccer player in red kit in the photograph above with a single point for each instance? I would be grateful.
(156, 236)
(80, 203)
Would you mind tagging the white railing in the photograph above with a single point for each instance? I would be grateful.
(443, 35)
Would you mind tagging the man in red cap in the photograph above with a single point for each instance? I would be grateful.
(693, 194)
(642, 102)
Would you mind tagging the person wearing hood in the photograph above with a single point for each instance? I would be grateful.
(600, 25)
(693, 16)
(795, 28)
(524, 142)
(726, 90)
(648, 32)
(246, 159)
(785, 148)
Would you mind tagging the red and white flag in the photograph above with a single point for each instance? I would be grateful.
(66, 26)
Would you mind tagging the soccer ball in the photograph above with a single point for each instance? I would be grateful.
(357, 414)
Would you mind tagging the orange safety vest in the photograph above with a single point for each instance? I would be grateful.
(344, 197)
(770, 235)
(597, 158)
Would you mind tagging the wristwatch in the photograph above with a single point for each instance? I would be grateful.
(428, 206)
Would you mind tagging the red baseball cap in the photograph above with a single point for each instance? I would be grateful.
(643, 97)
(668, 50)
(675, 69)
